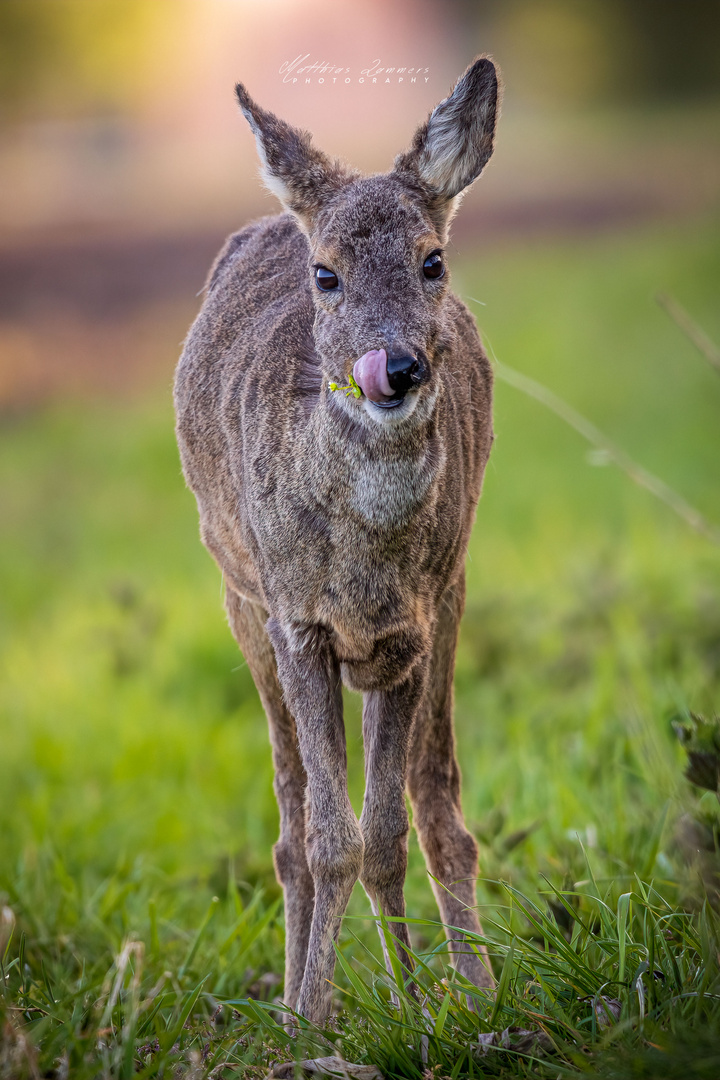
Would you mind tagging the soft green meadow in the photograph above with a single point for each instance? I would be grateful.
(140, 926)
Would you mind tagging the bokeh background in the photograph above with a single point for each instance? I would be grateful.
(133, 750)
(124, 160)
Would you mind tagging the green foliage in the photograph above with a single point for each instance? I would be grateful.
(353, 388)
(73, 57)
(701, 740)
(622, 978)
(140, 926)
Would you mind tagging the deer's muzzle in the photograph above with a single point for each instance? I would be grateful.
(386, 379)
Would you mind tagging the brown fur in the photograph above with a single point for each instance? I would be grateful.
(341, 529)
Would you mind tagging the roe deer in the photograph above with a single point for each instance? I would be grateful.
(340, 518)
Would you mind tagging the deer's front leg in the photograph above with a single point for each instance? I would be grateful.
(388, 718)
(248, 625)
(310, 678)
(434, 786)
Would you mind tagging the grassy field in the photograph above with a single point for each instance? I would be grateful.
(140, 926)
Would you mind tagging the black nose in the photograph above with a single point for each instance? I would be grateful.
(403, 372)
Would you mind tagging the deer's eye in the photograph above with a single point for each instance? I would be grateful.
(325, 279)
(434, 267)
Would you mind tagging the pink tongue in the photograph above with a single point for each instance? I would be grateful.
(370, 373)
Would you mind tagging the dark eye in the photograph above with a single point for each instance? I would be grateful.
(434, 267)
(325, 279)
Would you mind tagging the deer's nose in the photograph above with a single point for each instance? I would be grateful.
(403, 372)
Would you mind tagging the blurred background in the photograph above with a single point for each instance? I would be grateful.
(132, 741)
(124, 160)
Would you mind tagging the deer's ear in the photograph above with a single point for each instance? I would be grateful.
(299, 174)
(452, 148)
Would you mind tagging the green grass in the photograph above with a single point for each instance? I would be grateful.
(135, 773)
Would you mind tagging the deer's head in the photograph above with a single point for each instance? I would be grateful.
(377, 264)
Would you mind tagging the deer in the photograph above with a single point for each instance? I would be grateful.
(334, 420)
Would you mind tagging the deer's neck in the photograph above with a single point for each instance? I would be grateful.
(384, 475)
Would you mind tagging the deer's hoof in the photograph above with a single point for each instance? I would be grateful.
(327, 1066)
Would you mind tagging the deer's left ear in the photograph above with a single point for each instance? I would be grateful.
(300, 175)
(452, 148)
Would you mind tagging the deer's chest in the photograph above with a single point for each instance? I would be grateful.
(363, 548)
(378, 587)
(386, 493)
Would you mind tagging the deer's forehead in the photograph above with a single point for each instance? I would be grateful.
(373, 217)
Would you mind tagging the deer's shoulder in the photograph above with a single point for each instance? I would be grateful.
(467, 339)
(257, 289)
(256, 251)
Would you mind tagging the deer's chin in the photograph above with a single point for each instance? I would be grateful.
(389, 403)
(393, 411)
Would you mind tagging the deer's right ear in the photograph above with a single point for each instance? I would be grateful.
(301, 176)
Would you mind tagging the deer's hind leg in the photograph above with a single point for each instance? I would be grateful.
(247, 621)
(450, 850)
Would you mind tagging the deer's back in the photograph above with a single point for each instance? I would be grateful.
(248, 363)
